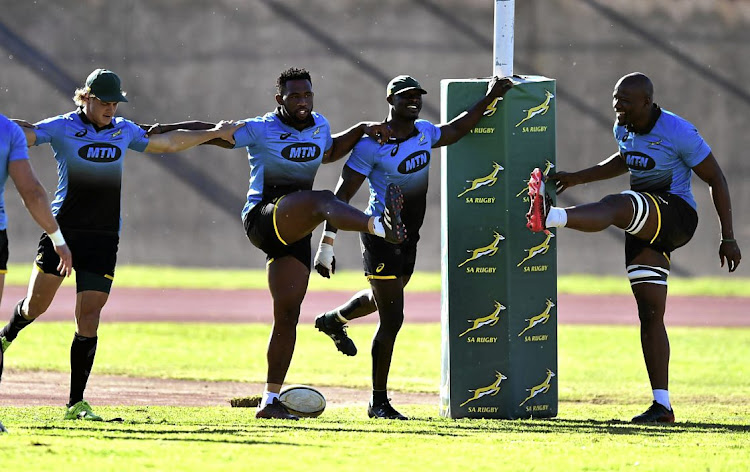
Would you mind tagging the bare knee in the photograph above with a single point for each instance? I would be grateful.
(34, 307)
(88, 323)
(286, 319)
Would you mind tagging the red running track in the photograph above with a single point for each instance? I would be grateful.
(249, 306)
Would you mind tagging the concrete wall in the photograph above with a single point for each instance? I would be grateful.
(191, 59)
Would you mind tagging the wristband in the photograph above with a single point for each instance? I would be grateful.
(57, 238)
(728, 240)
(329, 234)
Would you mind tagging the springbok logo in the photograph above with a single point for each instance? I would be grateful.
(547, 167)
(541, 388)
(491, 390)
(488, 250)
(539, 248)
(489, 320)
(486, 181)
(538, 110)
(492, 107)
(316, 132)
(539, 319)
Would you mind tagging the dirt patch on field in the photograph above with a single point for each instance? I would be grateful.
(51, 388)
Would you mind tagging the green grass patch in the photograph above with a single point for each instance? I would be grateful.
(187, 277)
(602, 383)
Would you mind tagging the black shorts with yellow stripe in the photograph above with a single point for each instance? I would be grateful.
(677, 222)
(260, 227)
(3, 251)
(383, 260)
(94, 257)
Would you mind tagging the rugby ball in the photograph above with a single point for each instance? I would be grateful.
(303, 400)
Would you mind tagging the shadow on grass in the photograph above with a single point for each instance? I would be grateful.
(265, 431)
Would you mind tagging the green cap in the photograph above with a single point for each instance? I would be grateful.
(105, 85)
(402, 83)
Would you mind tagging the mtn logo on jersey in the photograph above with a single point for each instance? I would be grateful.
(100, 152)
(415, 162)
(638, 160)
(301, 152)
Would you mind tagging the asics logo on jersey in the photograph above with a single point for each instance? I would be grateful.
(380, 268)
(638, 160)
(100, 152)
(117, 133)
(82, 133)
(302, 152)
(414, 162)
(316, 133)
(655, 143)
(285, 135)
(394, 151)
(422, 139)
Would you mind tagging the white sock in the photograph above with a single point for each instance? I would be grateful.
(662, 398)
(556, 218)
(268, 397)
(377, 227)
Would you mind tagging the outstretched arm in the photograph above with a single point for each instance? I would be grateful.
(609, 168)
(458, 127)
(710, 172)
(181, 139)
(35, 200)
(344, 141)
(160, 128)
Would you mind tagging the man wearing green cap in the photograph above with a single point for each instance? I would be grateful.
(89, 144)
(404, 160)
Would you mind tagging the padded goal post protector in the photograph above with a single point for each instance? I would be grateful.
(499, 280)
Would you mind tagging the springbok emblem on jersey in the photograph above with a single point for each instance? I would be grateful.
(539, 248)
(492, 389)
(486, 181)
(538, 110)
(541, 388)
(547, 167)
(488, 250)
(539, 319)
(492, 107)
(316, 132)
(489, 320)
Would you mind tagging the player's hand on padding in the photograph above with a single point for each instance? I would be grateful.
(730, 251)
(562, 181)
(325, 261)
(65, 267)
(498, 86)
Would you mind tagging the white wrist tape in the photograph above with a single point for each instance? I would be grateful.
(329, 234)
(57, 238)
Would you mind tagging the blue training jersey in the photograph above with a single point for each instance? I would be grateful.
(662, 159)
(12, 148)
(89, 168)
(404, 162)
(282, 159)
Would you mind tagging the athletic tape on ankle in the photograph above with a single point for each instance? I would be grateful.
(640, 212)
(644, 274)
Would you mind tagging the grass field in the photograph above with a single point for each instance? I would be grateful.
(180, 277)
(602, 383)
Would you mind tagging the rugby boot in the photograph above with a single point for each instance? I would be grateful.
(275, 410)
(82, 411)
(384, 410)
(4, 343)
(2, 428)
(540, 203)
(336, 330)
(395, 231)
(656, 413)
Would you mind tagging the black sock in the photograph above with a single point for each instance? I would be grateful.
(379, 397)
(2, 359)
(17, 323)
(82, 352)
